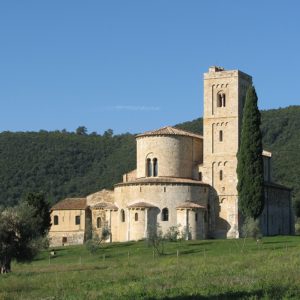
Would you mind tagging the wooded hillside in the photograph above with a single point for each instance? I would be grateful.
(64, 164)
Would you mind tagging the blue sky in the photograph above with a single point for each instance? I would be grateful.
(138, 65)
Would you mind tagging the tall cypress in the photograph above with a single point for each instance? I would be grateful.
(250, 162)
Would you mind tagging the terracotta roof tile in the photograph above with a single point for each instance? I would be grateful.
(141, 205)
(70, 203)
(190, 204)
(105, 205)
(168, 130)
(162, 180)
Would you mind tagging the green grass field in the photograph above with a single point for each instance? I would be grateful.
(210, 269)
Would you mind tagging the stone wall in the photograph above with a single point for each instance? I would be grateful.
(277, 217)
(159, 195)
(101, 196)
(192, 223)
(222, 121)
(66, 238)
(177, 156)
(66, 231)
(130, 176)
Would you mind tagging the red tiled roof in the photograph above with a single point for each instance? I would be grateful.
(190, 204)
(70, 203)
(105, 205)
(168, 130)
(140, 205)
(162, 180)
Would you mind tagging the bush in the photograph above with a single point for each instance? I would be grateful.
(155, 238)
(186, 233)
(251, 229)
(94, 244)
(173, 234)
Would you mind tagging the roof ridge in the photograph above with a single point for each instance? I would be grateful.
(170, 130)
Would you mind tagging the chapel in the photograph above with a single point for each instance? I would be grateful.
(181, 179)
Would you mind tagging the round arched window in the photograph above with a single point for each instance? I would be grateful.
(99, 222)
(165, 214)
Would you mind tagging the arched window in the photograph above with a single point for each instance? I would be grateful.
(196, 217)
(224, 100)
(155, 167)
(149, 168)
(221, 175)
(221, 135)
(122, 215)
(55, 220)
(99, 222)
(136, 217)
(219, 100)
(165, 214)
(77, 220)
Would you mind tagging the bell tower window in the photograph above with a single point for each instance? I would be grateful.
(221, 135)
(224, 100)
(221, 99)
(221, 175)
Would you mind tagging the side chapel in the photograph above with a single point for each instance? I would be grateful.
(181, 179)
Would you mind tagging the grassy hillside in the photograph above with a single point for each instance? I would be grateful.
(66, 164)
(211, 269)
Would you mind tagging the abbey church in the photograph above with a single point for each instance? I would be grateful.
(181, 179)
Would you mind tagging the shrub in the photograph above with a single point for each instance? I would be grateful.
(173, 233)
(251, 229)
(155, 238)
(186, 233)
(94, 244)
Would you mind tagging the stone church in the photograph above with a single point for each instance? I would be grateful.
(181, 179)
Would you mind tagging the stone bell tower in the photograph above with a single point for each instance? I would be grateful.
(224, 96)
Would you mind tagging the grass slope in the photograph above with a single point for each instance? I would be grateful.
(211, 269)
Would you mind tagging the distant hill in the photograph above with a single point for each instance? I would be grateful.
(65, 164)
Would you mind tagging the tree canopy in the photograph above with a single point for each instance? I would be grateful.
(20, 236)
(41, 209)
(64, 164)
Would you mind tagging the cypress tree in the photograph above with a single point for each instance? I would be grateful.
(250, 162)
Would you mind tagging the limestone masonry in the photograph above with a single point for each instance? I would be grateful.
(181, 179)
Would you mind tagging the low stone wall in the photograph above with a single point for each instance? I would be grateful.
(66, 238)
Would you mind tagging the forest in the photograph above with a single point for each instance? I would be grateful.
(64, 164)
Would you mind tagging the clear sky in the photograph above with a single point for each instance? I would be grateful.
(138, 65)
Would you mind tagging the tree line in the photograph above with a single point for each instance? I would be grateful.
(64, 164)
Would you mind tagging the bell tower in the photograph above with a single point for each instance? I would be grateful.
(224, 96)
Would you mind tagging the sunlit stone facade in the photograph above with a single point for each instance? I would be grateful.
(181, 179)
